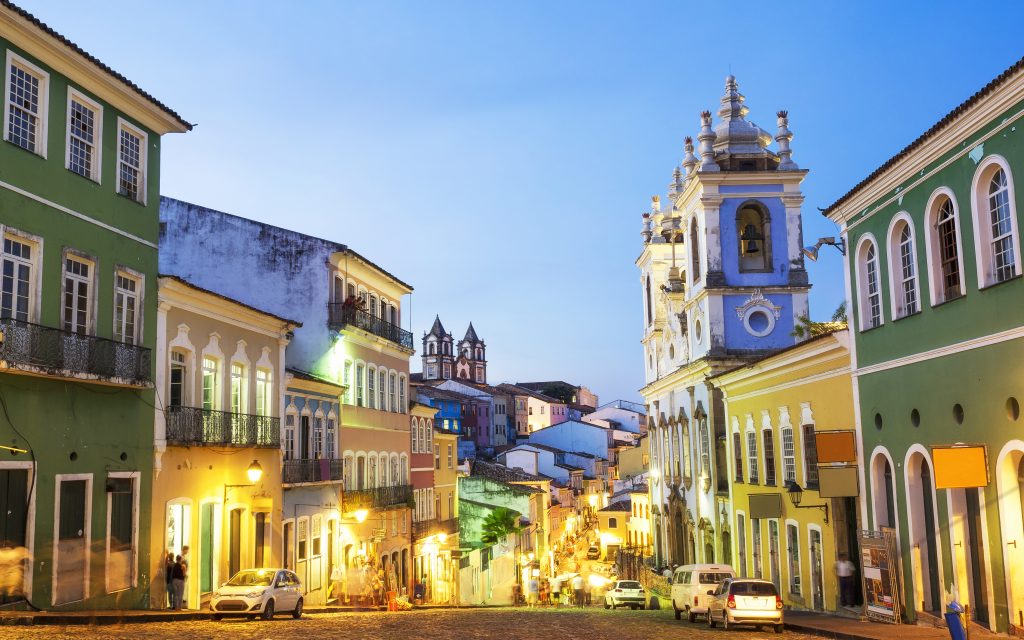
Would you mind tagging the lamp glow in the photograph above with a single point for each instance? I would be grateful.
(361, 515)
(255, 472)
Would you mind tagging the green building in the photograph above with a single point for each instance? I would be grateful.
(936, 304)
(79, 200)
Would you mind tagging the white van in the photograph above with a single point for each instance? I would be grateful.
(690, 586)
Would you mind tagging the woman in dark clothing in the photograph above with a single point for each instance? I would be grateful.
(168, 575)
(178, 582)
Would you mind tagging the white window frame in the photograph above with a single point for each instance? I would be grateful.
(124, 125)
(87, 534)
(346, 379)
(217, 383)
(44, 101)
(898, 278)
(981, 218)
(331, 436)
(290, 431)
(371, 386)
(317, 434)
(754, 468)
(933, 248)
(242, 380)
(34, 264)
(74, 95)
(788, 460)
(134, 476)
(90, 282)
(264, 388)
(863, 295)
(360, 383)
(138, 294)
(799, 583)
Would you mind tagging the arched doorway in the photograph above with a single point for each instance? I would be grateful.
(726, 548)
(678, 531)
(884, 500)
(923, 542)
(1010, 483)
(709, 552)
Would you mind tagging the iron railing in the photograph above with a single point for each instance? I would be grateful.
(58, 352)
(425, 528)
(377, 497)
(312, 470)
(341, 315)
(195, 426)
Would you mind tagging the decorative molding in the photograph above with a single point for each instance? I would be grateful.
(757, 300)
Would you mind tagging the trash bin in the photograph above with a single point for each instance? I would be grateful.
(393, 603)
(956, 626)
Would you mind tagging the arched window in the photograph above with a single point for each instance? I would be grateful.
(431, 348)
(384, 469)
(338, 293)
(613, 523)
(694, 251)
(945, 260)
(705, 450)
(903, 292)
(371, 471)
(753, 237)
(650, 312)
(868, 288)
(995, 222)
(371, 385)
(396, 479)
(371, 306)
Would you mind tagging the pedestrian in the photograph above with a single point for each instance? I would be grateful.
(845, 570)
(578, 592)
(185, 568)
(532, 592)
(178, 583)
(168, 576)
(667, 573)
(556, 590)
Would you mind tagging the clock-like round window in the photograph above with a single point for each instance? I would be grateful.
(759, 321)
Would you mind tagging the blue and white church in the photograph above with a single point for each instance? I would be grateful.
(724, 283)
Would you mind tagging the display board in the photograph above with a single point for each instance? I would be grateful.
(838, 482)
(836, 446)
(765, 505)
(880, 575)
(960, 466)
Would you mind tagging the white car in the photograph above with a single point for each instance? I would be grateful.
(258, 592)
(625, 593)
(745, 601)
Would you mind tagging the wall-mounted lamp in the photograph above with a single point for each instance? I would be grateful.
(812, 252)
(796, 496)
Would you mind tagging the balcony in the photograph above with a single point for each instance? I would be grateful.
(38, 349)
(340, 315)
(308, 470)
(425, 528)
(378, 497)
(193, 426)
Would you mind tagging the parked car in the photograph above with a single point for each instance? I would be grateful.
(746, 601)
(690, 584)
(594, 552)
(628, 593)
(258, 592)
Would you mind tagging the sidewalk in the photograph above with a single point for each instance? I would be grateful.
(840, 628)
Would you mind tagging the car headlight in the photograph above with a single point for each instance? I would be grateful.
(255, 594)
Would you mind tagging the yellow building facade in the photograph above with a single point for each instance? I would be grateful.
(781, 529)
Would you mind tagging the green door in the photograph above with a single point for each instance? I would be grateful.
(206, 548)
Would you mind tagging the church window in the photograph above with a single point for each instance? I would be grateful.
(694, 251)
(753, 238)
(431, 348)
(650, 313)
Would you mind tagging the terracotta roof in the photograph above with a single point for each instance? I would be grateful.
(312, 377)
(224, 297)
(503, 474)
(930, 133)
(85, 54)
(622, 505)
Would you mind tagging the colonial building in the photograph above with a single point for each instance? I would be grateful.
(934, 297)
(784, 530)
(217, 444)
(79, 191)
(723, 282)
(349, 505)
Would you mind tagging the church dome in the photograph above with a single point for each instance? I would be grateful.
(735, 137)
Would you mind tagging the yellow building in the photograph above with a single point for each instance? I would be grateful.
(613, 528)
(437, 533)
(217, 476)
(781, 528)
(638, 532)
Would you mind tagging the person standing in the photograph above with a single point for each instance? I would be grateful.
(178, 583)
(185, 569)
(169, 577)
(578, 593)
(845, 570)
(532, 592)
(556, 590)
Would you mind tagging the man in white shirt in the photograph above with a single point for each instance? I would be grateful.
(577, 590)
(845, 570)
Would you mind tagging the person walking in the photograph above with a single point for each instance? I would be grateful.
(185, 569)
(845, 570)
(168, 578)
(578, 592)
(556, 591)
(178, 583)
(532, 593)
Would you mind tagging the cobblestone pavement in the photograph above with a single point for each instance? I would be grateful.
(455, 624)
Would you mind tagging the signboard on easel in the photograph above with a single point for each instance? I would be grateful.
(880, 575)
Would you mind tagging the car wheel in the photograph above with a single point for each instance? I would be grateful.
(725, 621)
(297, 613)
(643, 606)
(779, 628)
(268, 610)
(679, 614)
(606, 604)
(711, 619)
(632, 607)
(691, 617)
(218, 616)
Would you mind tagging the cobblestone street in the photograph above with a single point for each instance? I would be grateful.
(465, 624)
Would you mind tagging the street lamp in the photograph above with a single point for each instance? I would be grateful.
(255, 472)
(812, 251)
(796, 496)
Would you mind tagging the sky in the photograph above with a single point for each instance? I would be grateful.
(497, 156)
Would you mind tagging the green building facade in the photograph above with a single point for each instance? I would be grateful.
(936, 305)
(79, 199)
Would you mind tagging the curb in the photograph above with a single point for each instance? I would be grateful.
(824, 633)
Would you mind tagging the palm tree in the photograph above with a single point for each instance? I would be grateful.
(498, 525)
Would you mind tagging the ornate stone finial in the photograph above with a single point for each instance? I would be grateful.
(676, 186)
(783, 136)
(645, 233)
(690, 160)
(732, 102)
(656, 219)
(707, 142)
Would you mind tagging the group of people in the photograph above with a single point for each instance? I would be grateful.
(362, 584)
(175, 573)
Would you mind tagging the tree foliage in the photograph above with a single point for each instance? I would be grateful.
(498, 525)
(807, 328)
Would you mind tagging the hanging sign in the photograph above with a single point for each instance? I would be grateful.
(960, 466)
(836, 446)
(765, 505)
(838, 482)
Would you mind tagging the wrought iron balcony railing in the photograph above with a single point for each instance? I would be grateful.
(377, 497)
(425, 528)
(341, 315)
(195, 426)
(24, 345)
(311, 470)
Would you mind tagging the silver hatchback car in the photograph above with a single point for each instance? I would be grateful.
(258, 592)
(745, 601)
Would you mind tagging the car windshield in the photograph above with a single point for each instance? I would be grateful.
(713, 578)
(252, 578)
(629, 584)
(752, 589)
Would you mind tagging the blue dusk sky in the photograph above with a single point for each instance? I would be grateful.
(497, 156)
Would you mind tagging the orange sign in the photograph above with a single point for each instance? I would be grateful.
(960, 466)
(836, 446)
